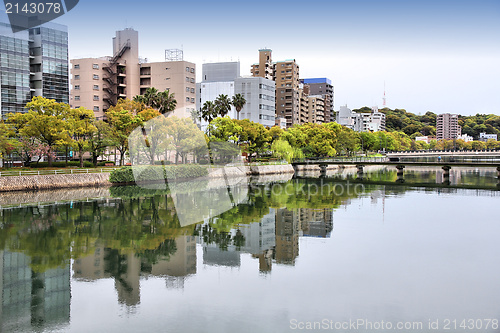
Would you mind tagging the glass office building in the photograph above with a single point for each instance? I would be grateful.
(32, 63)
(14, 69)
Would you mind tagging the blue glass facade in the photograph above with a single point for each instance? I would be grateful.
(33, 63)
(14, 69)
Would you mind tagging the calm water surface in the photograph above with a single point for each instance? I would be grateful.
(289, 255)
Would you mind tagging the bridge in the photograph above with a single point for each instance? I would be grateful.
(446, 164)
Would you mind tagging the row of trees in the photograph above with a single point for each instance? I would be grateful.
(49, 126)
(399, 120)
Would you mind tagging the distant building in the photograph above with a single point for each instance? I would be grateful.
(485, 137)
(447, 127)
(465, 137)
(361, 122)
(33, 63)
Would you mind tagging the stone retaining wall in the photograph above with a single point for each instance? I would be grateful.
(27, 183)
(46, 182)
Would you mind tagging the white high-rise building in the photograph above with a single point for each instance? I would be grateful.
(223, 78)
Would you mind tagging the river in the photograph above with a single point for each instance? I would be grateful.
(286, 255)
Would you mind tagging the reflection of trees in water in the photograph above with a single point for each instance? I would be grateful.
(148, 225)
(151, 257)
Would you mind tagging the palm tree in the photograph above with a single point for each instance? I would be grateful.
(223, 105)
(208, 111)
(238, 102)
(166, 101)
(163, 101)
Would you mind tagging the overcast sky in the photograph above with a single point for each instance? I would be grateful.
(440, 56)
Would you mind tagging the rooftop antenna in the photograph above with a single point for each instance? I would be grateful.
(383, 99)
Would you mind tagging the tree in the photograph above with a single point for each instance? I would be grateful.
(7, 143)
(282, 150)
(185, 136)
(163, 101)
(122, 122)
(100, 139)
(81, 128)
(222, 105)
(46, 121)
(166, 102)
(208, 111)
(238, 102)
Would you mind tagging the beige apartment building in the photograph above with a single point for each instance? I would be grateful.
(286, 76)
(265, 67)
(98, 83)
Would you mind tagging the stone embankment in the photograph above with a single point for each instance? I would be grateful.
(49, 182)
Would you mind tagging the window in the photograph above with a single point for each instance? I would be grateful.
(77, 87)
(192, 80)
(96, 87)
(95, 66)
(77, 66)
(192, 90)
(96, 97)
(96, 108)
(77, 77)
(187, 69)
(192, 100)
(77, 98)
(187, 89)
(192, 70)
(187, 99)
(95, 77)
(187, 79)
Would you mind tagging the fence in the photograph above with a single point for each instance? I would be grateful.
(53, 172)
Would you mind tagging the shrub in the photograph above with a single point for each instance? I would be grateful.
(103, 163)
(156, 172)
(86, 164)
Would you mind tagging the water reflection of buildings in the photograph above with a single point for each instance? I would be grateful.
(275, 238)
(174, 260)
(30, 299)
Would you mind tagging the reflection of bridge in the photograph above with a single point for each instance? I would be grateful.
(400, 164)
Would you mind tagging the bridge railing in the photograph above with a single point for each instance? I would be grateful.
(341, 159)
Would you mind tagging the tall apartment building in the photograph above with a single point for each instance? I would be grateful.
(98, 83)
(224, 78)
(323, 87)
(312, 107)
(447, 127)
(286, 77)
(33, 62)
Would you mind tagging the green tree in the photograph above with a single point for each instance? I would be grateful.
(222, 105)
(100, 139)
(281, 149)
(122, 122)
(7, 143)
(46, 121)
(208, 111)
(81, 127)
(163, 101)
(238, 101)
(185, 137)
